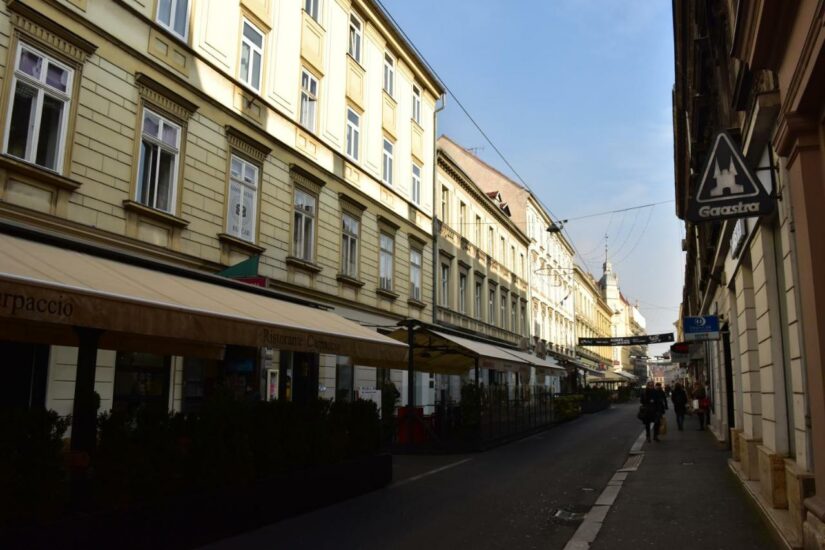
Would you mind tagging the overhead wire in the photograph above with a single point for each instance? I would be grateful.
(478, 127)
(638, 239)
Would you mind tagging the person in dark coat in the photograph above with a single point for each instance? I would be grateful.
(653, 406)
(679, 398)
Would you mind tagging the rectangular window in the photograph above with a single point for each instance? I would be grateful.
(36, 127)
(385, 261)
(158, 165)
(503, 315)
(524, 319)
(462, 217)
(514, 315)
(349, 246)
(462, 292)
(478, 231)
(313, 8)
(243, 198)
(491, 307)
(491, 239)
(353, 134)
(416, 257)
(503, 257)
(521, 266)
(252, 53)
(477, 300)
(513, 259)
(309, 99)
(445, 285)
(416, 104)
(389, 74)
(416, 184)
(303, 231)
(356, 33)
(445, 204)
(344, 379)
(386, 175)
(174, 16)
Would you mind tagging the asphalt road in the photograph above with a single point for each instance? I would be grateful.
(503, 498)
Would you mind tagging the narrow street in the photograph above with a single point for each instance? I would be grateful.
(503, 498)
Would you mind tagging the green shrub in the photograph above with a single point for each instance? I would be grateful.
(568, 406)
(32, 475)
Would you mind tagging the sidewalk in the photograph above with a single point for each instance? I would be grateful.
(667, 502)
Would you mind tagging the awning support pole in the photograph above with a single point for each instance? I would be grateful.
(84, 411)
(410, 382)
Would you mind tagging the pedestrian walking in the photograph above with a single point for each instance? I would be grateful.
(651, 409)
(679, 399)
(701, 404)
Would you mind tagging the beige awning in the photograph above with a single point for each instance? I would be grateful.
(46, 290)
(548, 364)
(443, 353)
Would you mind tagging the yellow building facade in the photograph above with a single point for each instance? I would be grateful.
(296, 134)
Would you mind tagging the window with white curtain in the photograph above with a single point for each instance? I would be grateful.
(385, 261)
(243, 198)
(309, 99)
(416, 257)
(349, 245)
(356, 35)
(158, 165)
(303, 230)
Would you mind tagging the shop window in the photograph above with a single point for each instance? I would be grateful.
(141, 381)
(39, 108)
(344, 379)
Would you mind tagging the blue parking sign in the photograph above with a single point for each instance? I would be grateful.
(701, 328)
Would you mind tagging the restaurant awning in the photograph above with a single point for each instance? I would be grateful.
(445, 353)
(46, 290)
(551, 367)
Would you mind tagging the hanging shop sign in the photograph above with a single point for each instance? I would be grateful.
(701, 328)
(728, 187)
(628, 340)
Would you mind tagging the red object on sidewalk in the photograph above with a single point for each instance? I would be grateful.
(403, 429)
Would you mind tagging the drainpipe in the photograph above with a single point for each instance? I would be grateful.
(436, 225)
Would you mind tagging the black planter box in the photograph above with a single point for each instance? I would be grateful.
(188, 521)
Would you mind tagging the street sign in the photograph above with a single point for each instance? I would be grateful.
(728, 188)
(627, 340)
(701, 328)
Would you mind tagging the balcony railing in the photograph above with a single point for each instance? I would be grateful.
(453, 318)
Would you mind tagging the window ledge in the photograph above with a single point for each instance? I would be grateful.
(416, 303)
(237, 242)
(388, 294)
(157, 215)
(302, 264)
(349, 281)
(389, 97)
(44, 175)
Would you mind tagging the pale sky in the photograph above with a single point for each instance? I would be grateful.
(577, 95)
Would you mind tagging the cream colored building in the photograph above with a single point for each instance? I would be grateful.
(207, 133)
(593, 320)
(481, 267)
(549, 260)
